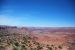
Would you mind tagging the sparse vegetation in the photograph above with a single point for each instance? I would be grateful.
(49, 48)
(60, 47)
(26, 42)
(39, 47)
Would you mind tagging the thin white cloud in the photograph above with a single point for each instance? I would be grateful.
(14, 21)
(4, 20)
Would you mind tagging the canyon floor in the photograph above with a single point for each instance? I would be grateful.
(37, 38)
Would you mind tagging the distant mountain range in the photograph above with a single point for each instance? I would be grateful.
(48, 29)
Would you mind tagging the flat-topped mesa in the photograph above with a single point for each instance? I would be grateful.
(7, 27)
(37, 29)
(14, 29)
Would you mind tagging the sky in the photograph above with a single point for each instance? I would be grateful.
(37, 13)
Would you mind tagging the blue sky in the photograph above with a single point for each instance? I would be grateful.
(38, 13)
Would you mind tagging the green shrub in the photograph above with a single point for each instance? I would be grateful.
(14, 48)
(59, 47)
(39, 47)
(31, 48)
(49, 48)
(16, 44)
(24, 47)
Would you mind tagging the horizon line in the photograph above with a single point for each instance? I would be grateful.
(40, 26)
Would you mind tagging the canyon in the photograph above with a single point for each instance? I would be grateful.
(37, 38)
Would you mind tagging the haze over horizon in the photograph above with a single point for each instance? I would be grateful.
(37, 13)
